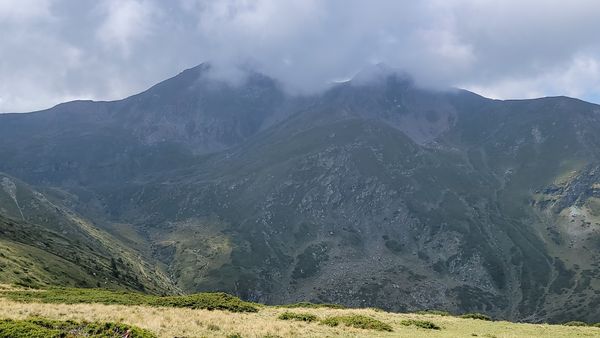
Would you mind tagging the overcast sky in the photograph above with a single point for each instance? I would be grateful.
(52, 51)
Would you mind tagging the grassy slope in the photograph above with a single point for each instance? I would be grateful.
(31, 254)
(28, 265)
(170, 322)
(45, 243)
(165, 320)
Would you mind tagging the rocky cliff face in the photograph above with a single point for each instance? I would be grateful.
(371, 194)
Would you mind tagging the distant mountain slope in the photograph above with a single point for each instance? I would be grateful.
(43, 242)
(370, 194)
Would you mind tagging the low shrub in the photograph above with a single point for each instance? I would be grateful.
(207, 301)
(358, 321)
(45, 328)
(575, 323)
(475, 315)
(424, 324)
(302, 317)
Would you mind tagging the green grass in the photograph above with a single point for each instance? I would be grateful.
(358, 321)
(309, 305)
(302, 317)
(208, 301)
(45, 328)
(476, 315)
(424, 324)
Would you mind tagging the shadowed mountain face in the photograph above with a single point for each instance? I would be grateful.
(374, 193)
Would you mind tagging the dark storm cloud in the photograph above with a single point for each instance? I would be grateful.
(56, 50)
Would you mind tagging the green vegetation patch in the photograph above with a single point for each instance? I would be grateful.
(302, 317)
(575, 323)
(309, 305)
(424, 324)
(309, 262)
(207, 301)
(358, 321)
(45, 328)
(476, 315)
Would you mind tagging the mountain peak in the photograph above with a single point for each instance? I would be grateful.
(379, 73)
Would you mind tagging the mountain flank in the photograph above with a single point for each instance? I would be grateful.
(374, 193)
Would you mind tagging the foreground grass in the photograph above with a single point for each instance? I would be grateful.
(166, 321)
(185, 322)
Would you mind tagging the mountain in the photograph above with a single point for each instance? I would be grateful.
(374, 193)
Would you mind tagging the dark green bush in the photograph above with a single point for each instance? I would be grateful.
(303, 317)
(476, 315)
(358, 321)
(424, 324)
(208, 301)
(575, 323)
(45, 328)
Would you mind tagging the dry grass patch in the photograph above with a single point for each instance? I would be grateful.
(185, 322)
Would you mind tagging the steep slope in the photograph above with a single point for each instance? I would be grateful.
(42, 242)
(529, 148)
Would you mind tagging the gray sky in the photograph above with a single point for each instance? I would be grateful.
(52, 51)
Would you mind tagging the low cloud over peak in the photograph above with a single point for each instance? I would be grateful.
(55, 50)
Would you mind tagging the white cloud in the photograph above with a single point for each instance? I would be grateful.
(126, 22)
(502, 49)
(24, 10)
(577, 78)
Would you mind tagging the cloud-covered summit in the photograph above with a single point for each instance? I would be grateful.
(56, 50)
